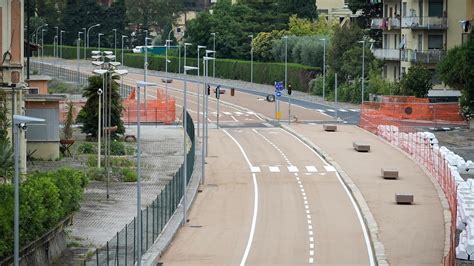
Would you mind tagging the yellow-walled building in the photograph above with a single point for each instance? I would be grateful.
(420, 32)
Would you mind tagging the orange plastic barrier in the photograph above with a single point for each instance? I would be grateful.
(392, 121)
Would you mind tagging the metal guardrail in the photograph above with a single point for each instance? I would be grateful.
(69, 75)
(435, 23)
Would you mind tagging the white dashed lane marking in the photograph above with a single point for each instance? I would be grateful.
(294, 169)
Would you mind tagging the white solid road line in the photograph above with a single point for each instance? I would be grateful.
(354, 204)
(255, 202)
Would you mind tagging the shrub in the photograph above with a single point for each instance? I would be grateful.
(46, 198)
(88, 148)
(128, 175)
(121, 162)
(117, 148)
(264, 72)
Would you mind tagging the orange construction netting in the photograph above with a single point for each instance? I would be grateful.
(159, 110)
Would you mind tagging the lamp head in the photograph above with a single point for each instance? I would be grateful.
(187, 44)
(99, 91)
(201, 47)
(21, 119)
(145, 84)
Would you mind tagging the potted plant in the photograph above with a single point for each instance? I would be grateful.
(68, 122)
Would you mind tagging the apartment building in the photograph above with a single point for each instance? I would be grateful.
(419, 32)
(12, 83)
(335, 10)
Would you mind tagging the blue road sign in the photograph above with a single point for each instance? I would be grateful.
(279, 85)
(278, 93)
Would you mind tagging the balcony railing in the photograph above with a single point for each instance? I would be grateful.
(425, 23)
(423, 57)
(385, 23)
(387, 54)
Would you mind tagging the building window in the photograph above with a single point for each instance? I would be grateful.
(404, 71)
(395, 73)
(385, 11)
(404, 9)
(420, 42)
(435, 42)
(395, 44)
(384, 71)
(385, 41)
(435, 8)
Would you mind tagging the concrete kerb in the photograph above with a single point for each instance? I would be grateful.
(153, 255)
(369, 221)
(440, 192)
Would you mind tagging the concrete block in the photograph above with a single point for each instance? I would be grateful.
(389, 173)
(404, 198)
(331, 128)
(361, 147)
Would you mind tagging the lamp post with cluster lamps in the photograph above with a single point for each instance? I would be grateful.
(108, 67)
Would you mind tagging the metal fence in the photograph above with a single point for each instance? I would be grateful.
(69, 75)
(122, 248)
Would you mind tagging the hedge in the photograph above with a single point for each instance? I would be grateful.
(265, 73)
(45, 199)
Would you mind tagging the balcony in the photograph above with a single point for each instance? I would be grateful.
(425, 23)
(385, 23)
(423, 57)
(387, 54)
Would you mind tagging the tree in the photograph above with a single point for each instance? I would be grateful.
(456, 70)
(417, 82)
(157, 13)
(345, 38)
(369, 11)
(263, 44)
(79, 14)
(302, 8)
(89, 116)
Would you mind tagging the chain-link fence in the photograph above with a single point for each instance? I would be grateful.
(122, 249)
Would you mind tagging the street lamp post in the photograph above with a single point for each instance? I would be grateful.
(145, 66)
(198, 91)
(286, 79)
(55, 44)
(78, 58)
(99, 129)
(121, 80)
(19, 123)
(37, 34)
(61, 51)
(185, 161)
(139, 84)
(214, 61)
(115, 43)
(251, 61)
(42, 49)
(87, 38)
(324, 67)
(363, 69)
(206, 110)
(85, 48)
(98, 44)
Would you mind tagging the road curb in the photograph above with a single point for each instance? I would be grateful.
(154, 253)
(369, 221)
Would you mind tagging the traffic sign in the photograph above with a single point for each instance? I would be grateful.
(279, 85)
(278, 93)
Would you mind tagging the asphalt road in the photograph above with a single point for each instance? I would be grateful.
(268, 198)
